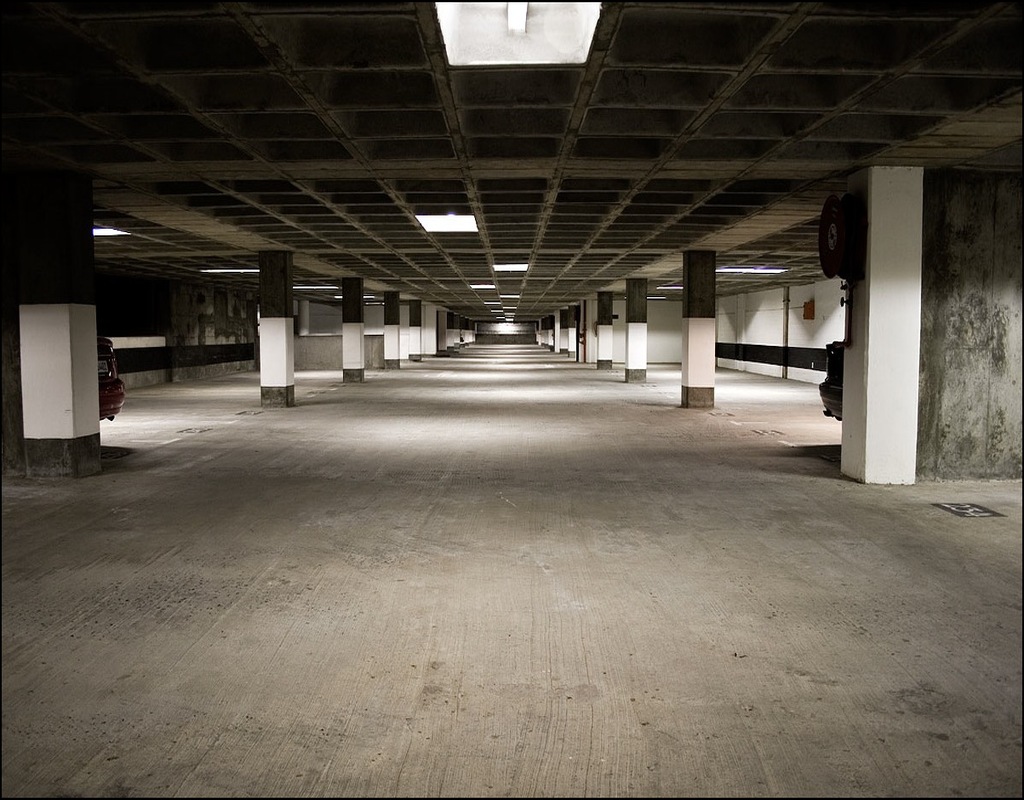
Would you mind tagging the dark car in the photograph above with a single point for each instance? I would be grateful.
(111, 385)
(831, 389)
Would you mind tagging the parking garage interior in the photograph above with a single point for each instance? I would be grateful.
(549, 507)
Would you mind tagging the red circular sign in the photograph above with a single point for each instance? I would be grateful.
(832, 237)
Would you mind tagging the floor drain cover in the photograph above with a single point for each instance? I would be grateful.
(194, 430)
(968, 510)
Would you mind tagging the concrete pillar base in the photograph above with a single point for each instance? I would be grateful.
(353, 375)
(603, 363)
(698, 397)
(62, 458)
(636, 375)
(392, 363)
(277, 396)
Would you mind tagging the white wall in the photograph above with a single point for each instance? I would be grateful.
(759, 318)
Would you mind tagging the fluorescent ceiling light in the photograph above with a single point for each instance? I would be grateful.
(509, 296)
(482, 34)
(492, 303)
(231, 271)
(511, 267)
(656, 297)
(517, 17)
(311, 286)
(481, 286)
(752, 270)
(669, 287)
(448, 223)
(109, 232)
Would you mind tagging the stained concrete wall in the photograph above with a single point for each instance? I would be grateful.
(322, 351)
(969, 423)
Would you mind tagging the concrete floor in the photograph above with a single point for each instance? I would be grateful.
(503, 574)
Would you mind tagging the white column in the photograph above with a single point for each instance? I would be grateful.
(353, 352)
(59, 393)
(428, 330)
(556, 332)
(572, 338)
(277, 353)
(636, 346)
(303, 317)
(880, 375)
(698, 369)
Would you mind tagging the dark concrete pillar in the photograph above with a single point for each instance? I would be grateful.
(415, 330)
(636, 330)
(392, 331)
(277, 335)
(552, 339)
(605, 342)
(698, 362)
(353, 325)
(970, 327)
(47, 230)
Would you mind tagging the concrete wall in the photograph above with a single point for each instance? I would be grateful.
(204, 331)
(322, 351)
(969, 423)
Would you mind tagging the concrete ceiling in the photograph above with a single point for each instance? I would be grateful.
(216, 130)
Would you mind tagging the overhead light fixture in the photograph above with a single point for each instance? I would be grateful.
(511, 267)
(492, 302)
(662, 288)
(509, 296)
(481, 286)
(231, 271)
(448, 223)
(311, 286)
(517, 17)
(752, 270)
(494, 34)
(109, 232)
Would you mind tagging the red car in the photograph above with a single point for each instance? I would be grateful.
(111, 386)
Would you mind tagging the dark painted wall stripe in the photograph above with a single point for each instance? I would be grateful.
(797, 357)
(143, 359)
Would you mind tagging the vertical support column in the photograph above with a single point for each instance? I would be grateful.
(636, 330)
(441, 332)
(49, 225)
(698, 361)
(353, 326)
(604, 330)
(452, 331)
(303, 318)
(881, 364)
(277, 334)
(415, 330)
(13, 438)
(556, 331)
(572, 336)
(392, 331)
(428, 333)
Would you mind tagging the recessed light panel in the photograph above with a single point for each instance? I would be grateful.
(448, 223)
